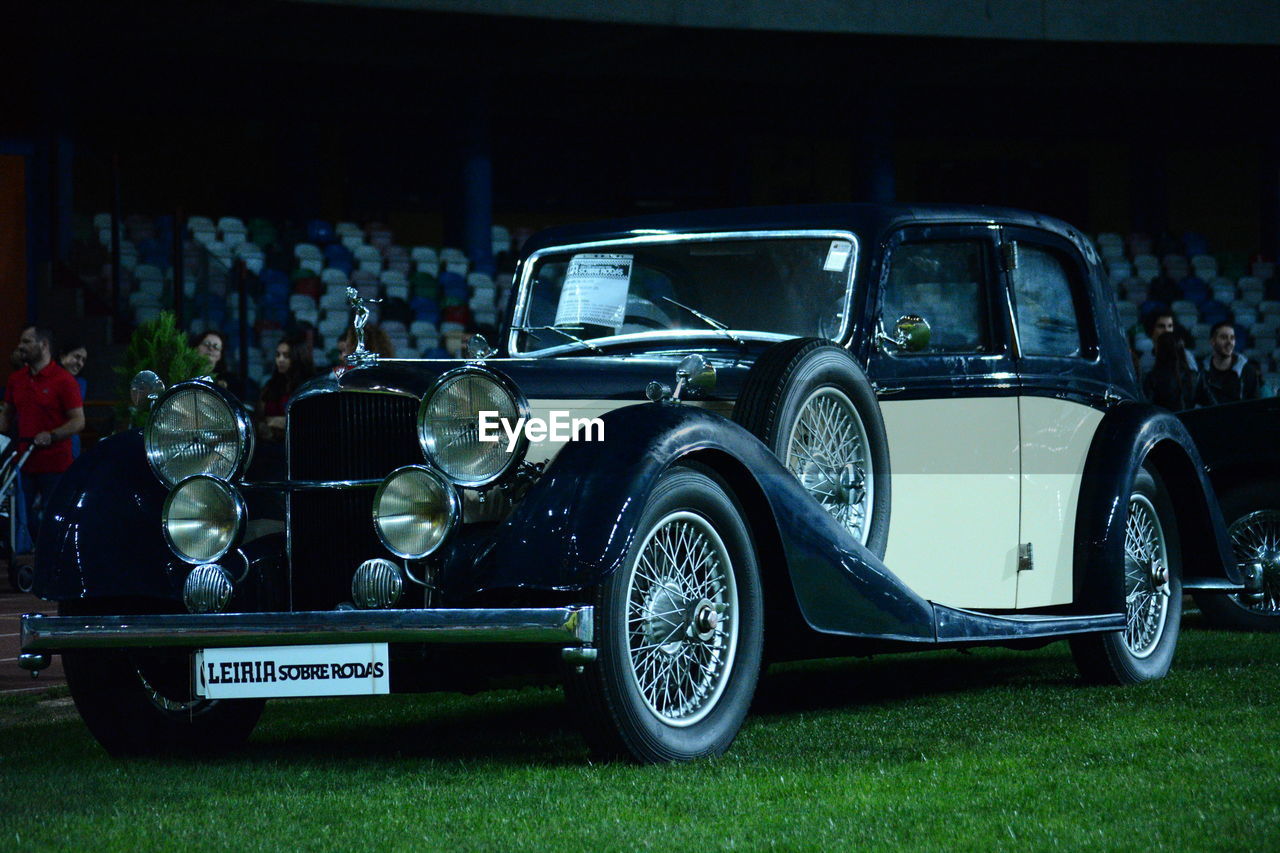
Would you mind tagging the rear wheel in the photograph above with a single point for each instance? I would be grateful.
(1153, 600)
(1253, 520)
(1152, 568)
(679, 630)
(141, 702)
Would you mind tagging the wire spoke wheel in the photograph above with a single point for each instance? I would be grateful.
(682, 620)
(1146, 577)
(1255, 540)
(1148, 572)
(679, 628)
(827, 452)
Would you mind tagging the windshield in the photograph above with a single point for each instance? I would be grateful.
(770, 287)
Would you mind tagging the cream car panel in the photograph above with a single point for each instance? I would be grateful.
(1056, 435)
(953, 525)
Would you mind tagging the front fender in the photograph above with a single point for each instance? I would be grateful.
(101, 536)
(574, 527)
(1129, 436)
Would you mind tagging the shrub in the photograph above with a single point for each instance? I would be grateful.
(157, 345)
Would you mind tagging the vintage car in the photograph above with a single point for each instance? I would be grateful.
(705, 443)
(1239, 446)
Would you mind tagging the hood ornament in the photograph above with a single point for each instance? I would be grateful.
(359, 317)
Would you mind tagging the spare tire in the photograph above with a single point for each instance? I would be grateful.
(810, 402)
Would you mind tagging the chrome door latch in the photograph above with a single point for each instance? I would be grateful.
(1026, 560)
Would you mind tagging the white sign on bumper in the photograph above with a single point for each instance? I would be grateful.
(264, 672)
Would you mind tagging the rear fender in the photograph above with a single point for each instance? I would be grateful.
(1130, 435)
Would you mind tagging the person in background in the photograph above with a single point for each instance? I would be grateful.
(74, 355)
(1170, 383)
(292, 368)
(1158, 324)
(1227, 376)
(45, 401)
(212, 344)
(375, 341)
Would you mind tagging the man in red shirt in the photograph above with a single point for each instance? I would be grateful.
(45, 399)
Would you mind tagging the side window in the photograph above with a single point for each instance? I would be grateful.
(1047, 323)
(942, 282)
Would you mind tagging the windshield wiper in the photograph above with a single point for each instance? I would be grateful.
(715, 324)
(561, 330)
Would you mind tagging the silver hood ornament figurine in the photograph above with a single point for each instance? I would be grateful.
(359, 317)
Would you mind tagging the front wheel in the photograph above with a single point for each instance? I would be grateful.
(679, 628)
(1152, 568)
(140, 702)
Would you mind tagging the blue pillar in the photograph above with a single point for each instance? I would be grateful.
(64, 158)
(477, 182)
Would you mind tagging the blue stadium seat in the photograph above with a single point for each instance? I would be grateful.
(319, 232)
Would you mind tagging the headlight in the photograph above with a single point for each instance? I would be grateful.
(448, 425)
(195, 429)
(414, 511)
(203, 519)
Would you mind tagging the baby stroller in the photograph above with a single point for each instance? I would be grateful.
(11, 462)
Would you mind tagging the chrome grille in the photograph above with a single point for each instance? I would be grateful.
(341, 436)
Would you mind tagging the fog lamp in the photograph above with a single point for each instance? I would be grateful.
(203, 518)
(414, 511)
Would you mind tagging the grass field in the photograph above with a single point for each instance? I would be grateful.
(943, 751)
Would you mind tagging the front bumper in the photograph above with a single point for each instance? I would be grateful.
(567, 626)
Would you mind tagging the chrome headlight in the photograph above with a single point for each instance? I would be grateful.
(449, 419)
(203, 518)
(414, 511)
(195, 429)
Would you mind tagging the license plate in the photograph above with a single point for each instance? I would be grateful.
(357, 669)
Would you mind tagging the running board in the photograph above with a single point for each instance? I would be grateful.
(1221, 585)
(957, 625)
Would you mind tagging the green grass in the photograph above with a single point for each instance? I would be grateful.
(943, 751)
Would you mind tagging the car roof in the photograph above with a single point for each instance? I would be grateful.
(866, 220)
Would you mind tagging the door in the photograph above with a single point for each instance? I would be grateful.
(951, 413)
(1061, 402)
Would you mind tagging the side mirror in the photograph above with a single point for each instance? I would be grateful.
(695, 375)
(146, 387)
(911, 334)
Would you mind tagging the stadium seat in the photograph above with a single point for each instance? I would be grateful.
(320, 232)
(334, 277)
(368, 259)
(454, 261)
(501, 240)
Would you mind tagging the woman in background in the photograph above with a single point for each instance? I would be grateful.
(1170, 383)
(73, 357)
(212, 344)
(375, 341)
(293, 367)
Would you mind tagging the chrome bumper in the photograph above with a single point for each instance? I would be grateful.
(563, 625)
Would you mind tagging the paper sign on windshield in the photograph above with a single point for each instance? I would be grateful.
(595, 291)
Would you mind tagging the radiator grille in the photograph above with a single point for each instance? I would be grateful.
(341, 436)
